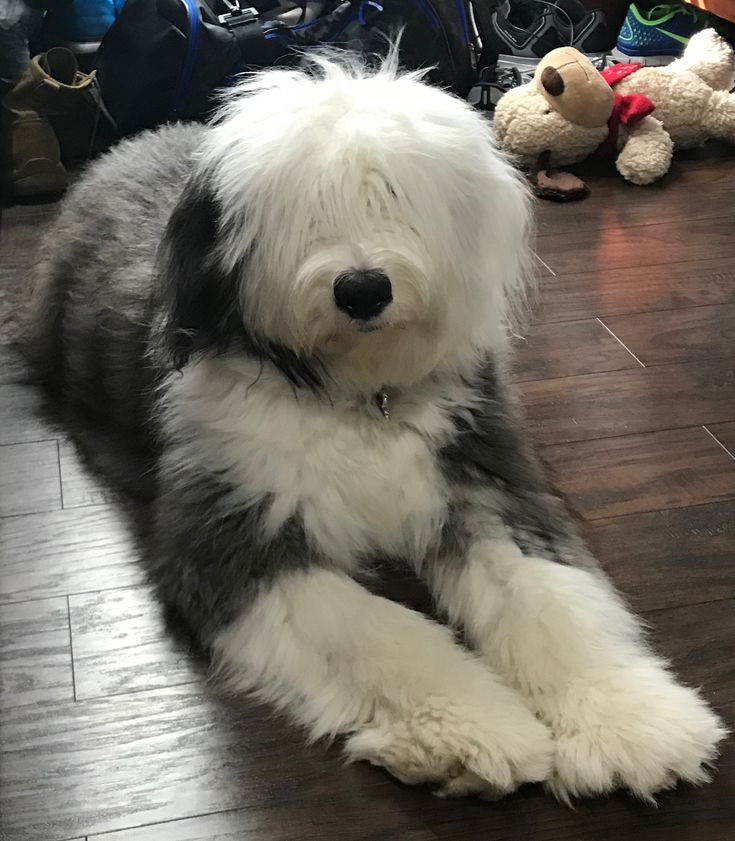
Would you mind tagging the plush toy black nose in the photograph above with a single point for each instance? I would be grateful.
(362, 294)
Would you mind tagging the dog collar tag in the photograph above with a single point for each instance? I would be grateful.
(381, 398)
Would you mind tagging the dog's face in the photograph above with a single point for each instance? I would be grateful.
(369, 219)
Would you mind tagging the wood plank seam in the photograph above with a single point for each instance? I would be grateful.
(637, 267)
(111, 835)
(621, 342)
(71, 649)
(653, 610)
(544, 264)
(34, 441)
(606, 517)
(61, 483)
(717, 440)
(139, 691)
(676, 366)
(660, 310)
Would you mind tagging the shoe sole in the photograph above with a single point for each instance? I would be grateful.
(619, 57)
(38, 177)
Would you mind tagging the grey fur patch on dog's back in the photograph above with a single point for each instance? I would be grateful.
(90, 313)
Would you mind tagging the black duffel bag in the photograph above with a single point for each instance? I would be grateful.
(164, 60)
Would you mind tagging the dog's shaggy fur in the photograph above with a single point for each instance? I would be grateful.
(188, 297)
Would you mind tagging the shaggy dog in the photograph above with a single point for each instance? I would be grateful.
(302, 310)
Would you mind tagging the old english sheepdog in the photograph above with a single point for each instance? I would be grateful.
(302, 310)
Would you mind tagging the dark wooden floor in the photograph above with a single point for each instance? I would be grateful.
(108, 728)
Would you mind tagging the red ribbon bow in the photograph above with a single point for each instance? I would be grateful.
(628, 110)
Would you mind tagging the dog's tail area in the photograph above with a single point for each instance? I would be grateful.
(710, 57)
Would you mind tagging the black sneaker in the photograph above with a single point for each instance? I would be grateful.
(529, 29)
(587, 30)
(523, 30)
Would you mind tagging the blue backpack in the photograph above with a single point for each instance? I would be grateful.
(163, 60)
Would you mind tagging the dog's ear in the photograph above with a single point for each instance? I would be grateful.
(200, 300)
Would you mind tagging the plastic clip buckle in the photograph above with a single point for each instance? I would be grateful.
(237, 16)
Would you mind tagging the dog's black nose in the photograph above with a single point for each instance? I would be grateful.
(362, 294)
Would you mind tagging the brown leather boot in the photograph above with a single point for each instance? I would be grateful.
(49, 119)
(68, 99)
(30, 163)
(30, 160)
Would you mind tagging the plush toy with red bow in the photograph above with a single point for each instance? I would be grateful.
(635, 115)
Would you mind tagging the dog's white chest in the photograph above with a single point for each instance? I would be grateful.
(361, 485)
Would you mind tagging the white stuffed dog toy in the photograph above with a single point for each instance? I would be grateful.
(638, 115)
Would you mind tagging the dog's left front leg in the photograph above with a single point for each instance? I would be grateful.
(562, 636)
(514, 575)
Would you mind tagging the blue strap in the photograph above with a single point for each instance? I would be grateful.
(357, 14)
(428, 12)
(462, 12)
(192, 46)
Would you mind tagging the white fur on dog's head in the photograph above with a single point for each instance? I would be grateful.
(340, 168)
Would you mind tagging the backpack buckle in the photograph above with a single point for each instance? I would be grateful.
(237, 16)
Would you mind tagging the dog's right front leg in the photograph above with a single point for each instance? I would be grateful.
(340, 660)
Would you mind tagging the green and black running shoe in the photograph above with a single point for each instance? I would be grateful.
(657, 35)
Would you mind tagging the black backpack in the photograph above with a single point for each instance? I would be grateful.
(163, 60)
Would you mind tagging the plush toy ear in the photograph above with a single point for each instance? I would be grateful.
(552, 81)
(199, 298)
(574, 88)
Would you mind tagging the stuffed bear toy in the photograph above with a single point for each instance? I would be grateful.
(636, 115)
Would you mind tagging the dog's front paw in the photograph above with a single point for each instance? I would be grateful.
(634, 728)
(460, 750)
